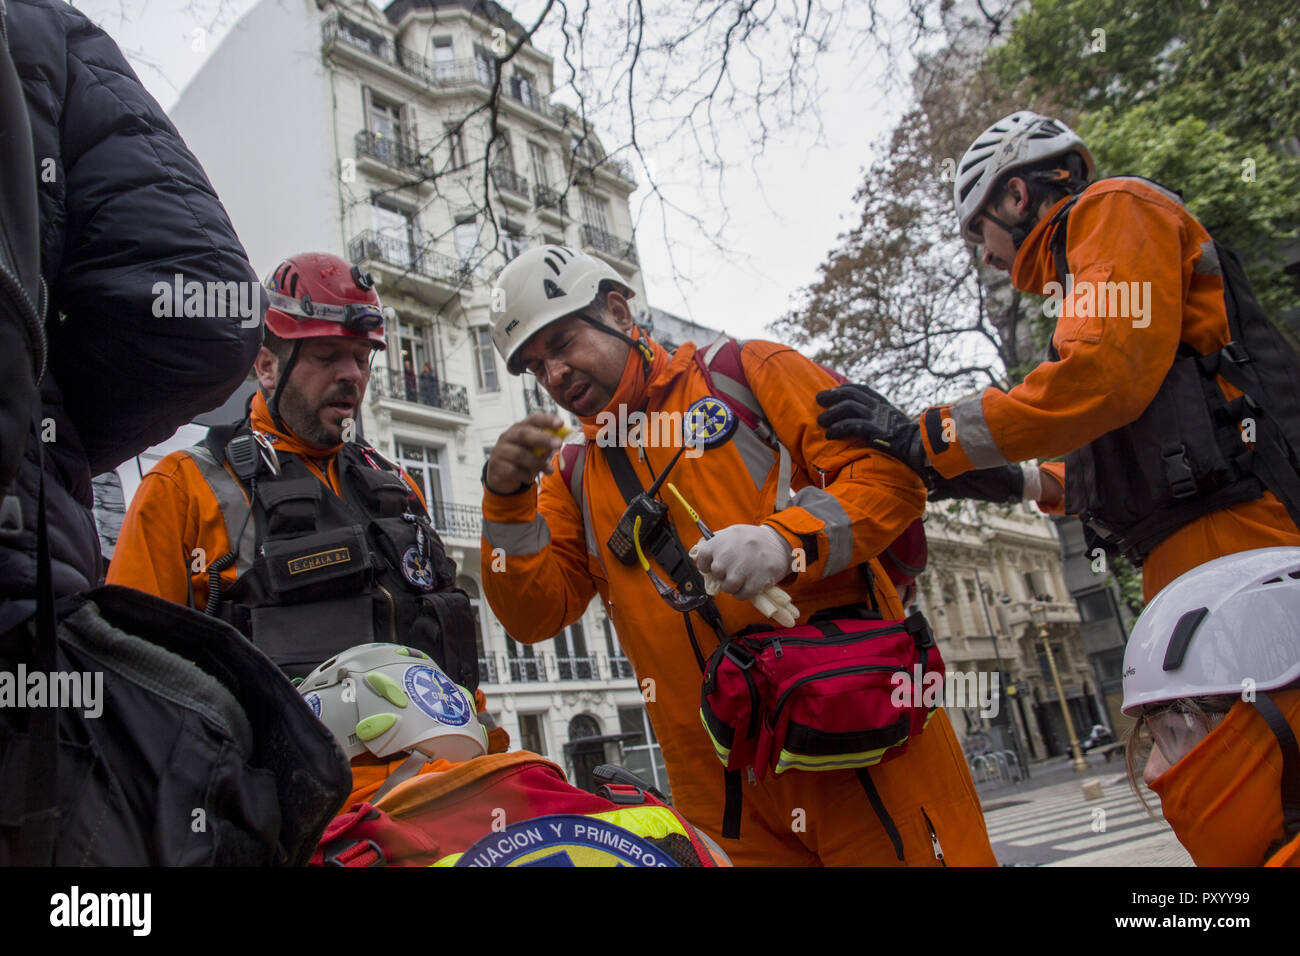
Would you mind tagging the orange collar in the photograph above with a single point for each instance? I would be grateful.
(1035, 266)
(634, 387)
(1224, 799)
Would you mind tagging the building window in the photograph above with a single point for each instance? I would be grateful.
(513, 240)
(525, 665)
(503, 153)
(524, 88)
(594, 211)
(642, 754)
(532, 737)
(415, 354)
(485, 363)
(619, 665)
(485, 66)
(384, 118)
(444, 58)
(537, 159)
(466, 236)
(359, 36)
(396, 230)
(424, 464)
(970, 589)
(1095, 607)
(455, 145)
(571, 651)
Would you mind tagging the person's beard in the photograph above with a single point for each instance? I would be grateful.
(305, 420)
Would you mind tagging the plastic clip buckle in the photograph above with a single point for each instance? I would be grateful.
(731, 651)
(334, 853)
(1178, 470)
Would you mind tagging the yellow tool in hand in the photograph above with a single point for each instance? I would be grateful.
(560, 433)
(772, 603)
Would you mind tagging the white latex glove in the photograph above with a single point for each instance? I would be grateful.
(744, 559)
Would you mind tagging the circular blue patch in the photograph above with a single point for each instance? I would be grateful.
(416, 569)
(564, 840)
(313, 701)
(709, 422)
(436, 695)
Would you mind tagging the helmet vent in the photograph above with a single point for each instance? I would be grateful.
(1273, 581)
(553, 291)
(293, 284)
(1183, 631)
(1294, 574)
(551, 262)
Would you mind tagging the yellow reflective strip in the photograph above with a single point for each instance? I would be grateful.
(448, 860)
(788, 760)
(651, 822)
(933, 711)
(724, 753)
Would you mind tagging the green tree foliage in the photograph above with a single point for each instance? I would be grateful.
(1202, 97)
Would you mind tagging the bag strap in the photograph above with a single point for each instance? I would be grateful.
(886, 821)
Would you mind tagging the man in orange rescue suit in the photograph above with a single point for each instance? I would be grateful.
(564, 317)
(1157, 338)
(337, 548)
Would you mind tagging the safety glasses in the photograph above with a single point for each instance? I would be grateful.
(1175, 730)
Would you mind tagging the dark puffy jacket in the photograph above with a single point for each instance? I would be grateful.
(123, 205)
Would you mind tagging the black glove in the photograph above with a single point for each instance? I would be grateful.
(857, 412)
(1004, 484)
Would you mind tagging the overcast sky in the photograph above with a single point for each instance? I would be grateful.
(785, 205)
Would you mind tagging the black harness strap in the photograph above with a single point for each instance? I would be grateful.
(879, 806)
(1277, 722)
(731, 809)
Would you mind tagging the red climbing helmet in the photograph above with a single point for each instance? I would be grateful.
(317, 294)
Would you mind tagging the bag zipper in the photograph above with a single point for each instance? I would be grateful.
(934, 840)
(833, 672)
(777, 641)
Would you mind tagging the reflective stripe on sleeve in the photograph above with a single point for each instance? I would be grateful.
(838, 527)
(973, 434)
(517, 539)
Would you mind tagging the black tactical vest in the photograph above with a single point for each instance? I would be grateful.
(319, 573)
(1185, 456)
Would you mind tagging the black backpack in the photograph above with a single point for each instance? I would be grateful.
(132, 731)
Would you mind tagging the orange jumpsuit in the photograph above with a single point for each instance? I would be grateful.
(1120, 231)
(174, 511)
(553, 566)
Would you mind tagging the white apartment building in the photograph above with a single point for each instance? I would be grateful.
(988, 567)
(359, 130)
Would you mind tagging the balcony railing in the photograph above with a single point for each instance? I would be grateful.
(576, 668)
(509, 180)
(620, 667)
(420, 388)
(487, 670)
(597, 238)
(405, 255)
(547, 198)
(446, 74)
(527, 669)
(463, 521)
(535, 400)
(391, 152)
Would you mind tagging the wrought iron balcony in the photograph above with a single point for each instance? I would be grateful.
(620, 667)
(462, 521)
(596, 238)
(536, 400)
(527, 669)
(509, 180)
(547, 198)
(391, 152)
(576, 668)
(487, 670)
(403, 254)
(422, 389)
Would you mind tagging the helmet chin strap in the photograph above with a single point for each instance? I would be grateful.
(640, 345)
(273, 405)
(1018, 233)
(1286, 740)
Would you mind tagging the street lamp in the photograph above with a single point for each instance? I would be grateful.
(1038, 614)
(1011, 713)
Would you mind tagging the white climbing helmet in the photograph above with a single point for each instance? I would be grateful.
(1020, 139)
(539, 286)
(1230, 620)
(391, 700)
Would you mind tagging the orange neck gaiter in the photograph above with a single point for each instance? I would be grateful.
(634, 386)
(1224, 799)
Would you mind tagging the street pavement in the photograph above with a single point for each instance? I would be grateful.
(1047, 821)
